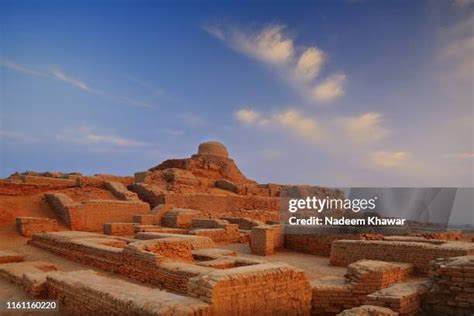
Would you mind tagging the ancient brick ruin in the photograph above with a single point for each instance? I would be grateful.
(195, 236)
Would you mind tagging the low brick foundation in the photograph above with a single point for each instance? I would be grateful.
(87, 293)
(180, 218)
(368, 310)
(344, 252)
(27, 226)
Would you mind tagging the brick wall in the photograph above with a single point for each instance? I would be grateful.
(27, 226)
(264, 289)
(119, 229)
(57, 182)
(453, 287)
(91, 215)
(120, 191)
(265, 239)
(344, 252)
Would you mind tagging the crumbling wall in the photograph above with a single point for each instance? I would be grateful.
(91, 215)
(57, 182)
(264, 289)
(333, 295)
(220, 204)
(453, 287)
(180, 218)
(120, 191)
(344, 252)
(320, 243)
(87, 293)
(27, 226)
(243, 222)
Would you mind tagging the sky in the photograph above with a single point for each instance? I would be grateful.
(335, 93)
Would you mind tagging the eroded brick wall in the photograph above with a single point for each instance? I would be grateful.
(27, 226)
(264, 289)
(344, 252)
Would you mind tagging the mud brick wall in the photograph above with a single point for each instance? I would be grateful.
(120, 191)
(403, 298)
(87, 293)
(119, 229)
(333, 295)
(147, 193)
(60, 204)
(27, 226)
(197, 242)
(180, 218)
(57, 182)
(264, 289)
(218, 204)
(317, 243)
(244, 223)
(228, 234)
(265, 239)
(344, 252)
(144, 219)
(453, 290)
(173, 248)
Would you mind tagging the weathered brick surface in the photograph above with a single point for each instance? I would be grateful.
(57, 182)
(29, 275)
(144, 219)
(453, 287)
(332, 295)
(120, 191)
(7, 256)
(320, 243)
(27, 226)
(180, 218)
(403, 298)
(91, 215)
(87, 293)
(265, 239)
(119, 229)
(264, 289)
(243, 222)
(344, 252)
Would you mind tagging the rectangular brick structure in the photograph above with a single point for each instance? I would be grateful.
(27, 226)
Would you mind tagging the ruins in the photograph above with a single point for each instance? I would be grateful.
(195, 236)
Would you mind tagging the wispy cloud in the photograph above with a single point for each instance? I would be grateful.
(386, 159)
(16, 136)
(300, 68)
(364, 128)
(60, 75)
(88, 136)
(289, 120)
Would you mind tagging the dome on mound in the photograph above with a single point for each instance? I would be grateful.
(213, 148)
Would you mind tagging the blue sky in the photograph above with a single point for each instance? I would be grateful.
(340, 93)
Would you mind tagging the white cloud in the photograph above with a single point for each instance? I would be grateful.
(386, 159)
(290, 120)
(58, 74)
(247, 115)
(273, 47)
(365, 128)
(269, 45)
(87, 136)
(310, 63)
(330, 89)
